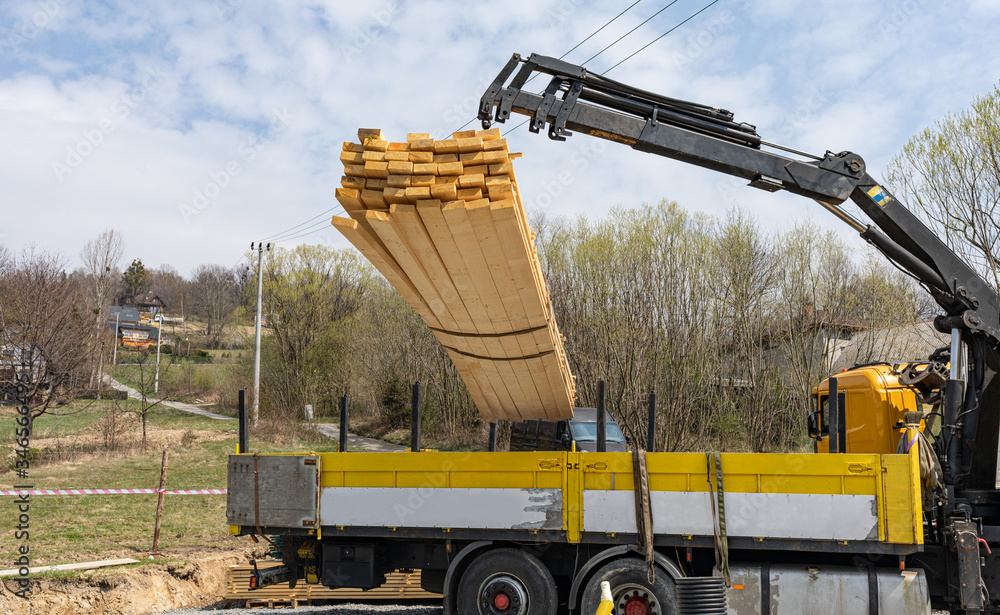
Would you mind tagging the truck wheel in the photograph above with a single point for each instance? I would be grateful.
(632, 592)
(507, 582)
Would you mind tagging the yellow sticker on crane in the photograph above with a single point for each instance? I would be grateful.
(880, 196)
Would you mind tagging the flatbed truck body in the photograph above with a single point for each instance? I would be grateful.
(361, 515)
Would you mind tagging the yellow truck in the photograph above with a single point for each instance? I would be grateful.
(536, 533)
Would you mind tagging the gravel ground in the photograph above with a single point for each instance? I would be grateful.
(346, 609)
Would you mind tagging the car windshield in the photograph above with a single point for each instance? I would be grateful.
(587, 432)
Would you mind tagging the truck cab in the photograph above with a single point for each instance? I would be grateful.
(874, 398)
(544, 435)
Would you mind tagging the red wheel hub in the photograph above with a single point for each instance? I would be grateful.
(501, 602)
(637, 605)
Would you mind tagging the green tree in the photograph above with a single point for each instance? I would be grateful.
(135, 281)
(950, 174)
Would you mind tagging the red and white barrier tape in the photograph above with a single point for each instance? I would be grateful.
(112, 491)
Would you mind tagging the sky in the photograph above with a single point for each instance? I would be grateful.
(197, 127)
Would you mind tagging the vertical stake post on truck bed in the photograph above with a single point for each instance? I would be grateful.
(243, 446)
(415, 419)
(602, 423)
(493, 437)
(343, 424)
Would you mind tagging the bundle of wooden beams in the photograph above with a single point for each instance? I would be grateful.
(443, 221)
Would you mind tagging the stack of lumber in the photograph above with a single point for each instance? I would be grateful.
(398, 586)
(443, 221)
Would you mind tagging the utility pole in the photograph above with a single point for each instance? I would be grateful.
(159, 337)
(254, 412)
(114, 361)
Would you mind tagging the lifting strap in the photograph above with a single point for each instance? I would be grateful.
(718, 500)
(643, 510)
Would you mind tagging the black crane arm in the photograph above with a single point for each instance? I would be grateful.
(578, 101)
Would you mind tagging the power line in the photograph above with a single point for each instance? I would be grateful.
(608, 23)
(286, 231)
(318, 226)
(664, 34)
(673, 2)
(703, 9)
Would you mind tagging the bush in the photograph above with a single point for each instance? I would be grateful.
(167, 349)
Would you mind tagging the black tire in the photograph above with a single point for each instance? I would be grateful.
(628, 581)
(519, 576)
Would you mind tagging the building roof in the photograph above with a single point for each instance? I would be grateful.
(149, 298)
(154, 332)
(124, 314)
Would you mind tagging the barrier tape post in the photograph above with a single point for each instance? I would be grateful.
(159, 501)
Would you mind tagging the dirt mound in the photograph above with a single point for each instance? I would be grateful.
(190, 580)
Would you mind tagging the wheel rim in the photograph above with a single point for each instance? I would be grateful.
(634, 599)
(503, 594)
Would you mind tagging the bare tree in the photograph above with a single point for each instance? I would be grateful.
(46, 335)
(950, 173)
(102, 258)
(214, 297)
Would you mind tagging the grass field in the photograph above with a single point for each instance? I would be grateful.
(80, 528)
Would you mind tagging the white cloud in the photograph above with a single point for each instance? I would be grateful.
(810, 75)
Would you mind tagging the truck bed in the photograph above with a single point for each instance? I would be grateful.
(838, 503)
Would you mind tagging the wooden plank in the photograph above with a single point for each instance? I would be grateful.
(420, 193)
(417, 136)
(470, 194)
(444, 192)
(373, 199)
(350, 146)
(398, 147)
(375, 184)
(397, 156)
(422, 180)
(486, 234)
(464, 134)
(379, 145)
(356, 183)
(399, 167)
(462, 229)
(422, 157)
(398, 181)
(450, 168)
(501, 192)
(370, 133)
(401, 251)
(439, 158)
(470, 144)
(377, 170)
(490, 134)
(484, 157)
(425, 168)
(479, 169)
(503, 168)
(446, 146)
(373, 249)
(372, 155)
(498, 144)
(487, 373)
(352, 157)
(449, 179)
(354, 170)
(422, 145)
(394, 195)
(472, 181)
(10, 572)
(410, 225)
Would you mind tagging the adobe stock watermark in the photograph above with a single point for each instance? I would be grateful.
(897, 16)
(581, 159)
(221, 178)
(362, 37)
(29, 27)
(698, 43)
(120, 109)
(225, 9)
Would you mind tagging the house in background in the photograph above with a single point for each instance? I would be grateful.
(132, 330)
(149, 302)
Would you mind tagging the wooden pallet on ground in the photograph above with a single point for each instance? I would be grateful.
(444, 222)
(399, 585)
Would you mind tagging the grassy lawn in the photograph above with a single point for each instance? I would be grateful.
(80, 528)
